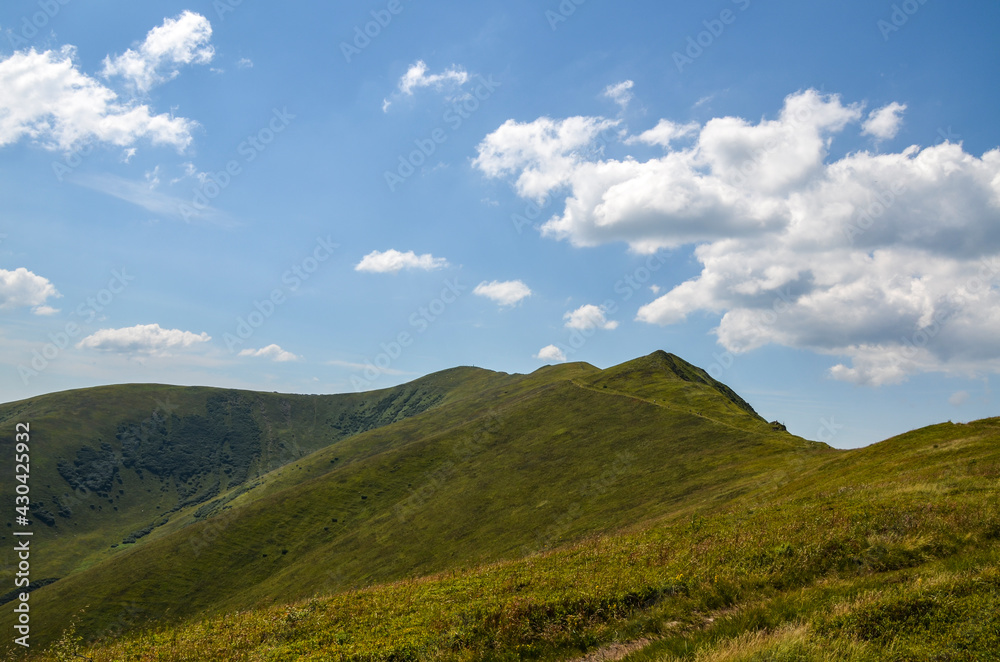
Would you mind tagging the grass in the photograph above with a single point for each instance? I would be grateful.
(872, 573)
(928, 613)
(577, 509)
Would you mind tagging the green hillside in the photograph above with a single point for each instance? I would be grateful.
(645, 507)
(115, 464)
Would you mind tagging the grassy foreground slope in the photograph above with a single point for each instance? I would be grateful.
(885, 553)
(513, 467)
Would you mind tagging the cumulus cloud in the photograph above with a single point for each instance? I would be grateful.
(588, 317)
(620, 93)
(393, 261)
(884, 123)
(273, 352)
(551, 353)
(891, 260)
(958, 399)
(21, 288)
(144, 339)
(506, 293)
(49, 100)
(179, 41)
(544, 154)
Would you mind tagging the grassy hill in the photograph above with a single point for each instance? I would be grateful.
(540, 516)
(115, 464)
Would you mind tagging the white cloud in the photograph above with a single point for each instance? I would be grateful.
(588, 317)
(48, 100)
(393, 261)
(890, 260)
(416, 77)
(506, 293)
(884, 123)
(958, 399)
(273, 352)
(21, 288)
(153, 177)
(179, 41)
(551, 353)
(705, 99)
(620, 93)
(546, 153)
(664, 133)
(244, 63)
(145, 339)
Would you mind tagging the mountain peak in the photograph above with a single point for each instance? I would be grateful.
(656, 376)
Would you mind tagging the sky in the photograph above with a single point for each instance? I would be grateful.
(803, 198)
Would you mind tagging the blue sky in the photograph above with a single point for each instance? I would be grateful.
(802, 198)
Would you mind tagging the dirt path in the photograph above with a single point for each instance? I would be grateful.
(613, 652)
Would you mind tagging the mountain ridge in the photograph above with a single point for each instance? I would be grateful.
(478, 485)
(441, 432)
